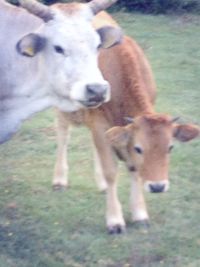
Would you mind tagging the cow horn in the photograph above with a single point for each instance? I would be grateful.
(99, 5)
(37, 9)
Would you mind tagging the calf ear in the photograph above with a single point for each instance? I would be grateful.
(110, 36)
(30, 45)
(118, 136)
(186, 132)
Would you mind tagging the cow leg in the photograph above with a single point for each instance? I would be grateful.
(114, 217)
(99, 175)
(60, 180)
(138, 205)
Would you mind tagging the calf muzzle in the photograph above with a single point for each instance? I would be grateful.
(157, 188)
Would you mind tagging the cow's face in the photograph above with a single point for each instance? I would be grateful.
(145, 145)
(68, 48)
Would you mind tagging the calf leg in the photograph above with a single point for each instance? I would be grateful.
(114, 217)
(60, 179)
(138, 205)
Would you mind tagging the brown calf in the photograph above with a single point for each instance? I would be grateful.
(144, 144)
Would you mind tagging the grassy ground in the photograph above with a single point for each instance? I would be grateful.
(41, 228)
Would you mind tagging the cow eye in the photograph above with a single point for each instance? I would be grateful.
(59, 49)
(170, 148)
(138, 149)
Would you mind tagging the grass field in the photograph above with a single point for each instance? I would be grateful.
(42, 228)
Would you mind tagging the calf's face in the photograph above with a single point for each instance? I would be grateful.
(145, 146)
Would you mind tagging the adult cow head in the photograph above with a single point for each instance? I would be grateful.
(145, 146)
(69, 45)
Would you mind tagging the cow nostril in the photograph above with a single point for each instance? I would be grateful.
(156, 188)
(90, 90)
(94, 90)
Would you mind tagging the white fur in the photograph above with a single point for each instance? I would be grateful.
(69, 74)
(31, 84)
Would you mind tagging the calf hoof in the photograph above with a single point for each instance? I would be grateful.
(143, 224)
(116, 229)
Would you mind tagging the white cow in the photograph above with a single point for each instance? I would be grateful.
(48, 57)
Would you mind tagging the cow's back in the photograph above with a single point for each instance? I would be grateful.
(103, 19)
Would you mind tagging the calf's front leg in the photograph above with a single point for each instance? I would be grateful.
(114, 216)
(138, 205)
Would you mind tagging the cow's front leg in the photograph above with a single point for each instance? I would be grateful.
(114, 217)
(99, 174)
(138, 205)
(60, 180)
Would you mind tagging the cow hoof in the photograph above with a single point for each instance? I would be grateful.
(59, 187)
(103, 191)
(116, 229)
(102, 187)
(143, 224)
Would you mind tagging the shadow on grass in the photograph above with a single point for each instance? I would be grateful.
(22, 240)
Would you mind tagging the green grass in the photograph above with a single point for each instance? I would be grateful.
(42, 228)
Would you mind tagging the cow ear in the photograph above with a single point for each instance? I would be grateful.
(118, 136)
(30, 45)
(110, 36)
(186, 132)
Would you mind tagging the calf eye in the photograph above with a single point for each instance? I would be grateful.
(170, 148)
(138, 149)
(59, 49)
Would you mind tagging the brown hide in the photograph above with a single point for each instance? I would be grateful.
(144, 145)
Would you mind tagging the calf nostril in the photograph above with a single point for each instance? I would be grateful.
(156, 188)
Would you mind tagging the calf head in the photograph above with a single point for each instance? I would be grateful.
(145, 146)
(68, 45)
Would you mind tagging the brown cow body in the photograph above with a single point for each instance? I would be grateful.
(143, 145)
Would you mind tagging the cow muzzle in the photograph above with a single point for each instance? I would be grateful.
(96, 94)
(156, 187)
